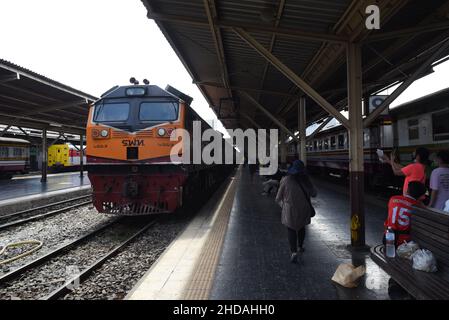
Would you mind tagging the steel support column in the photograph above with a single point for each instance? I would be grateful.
(320, 127)
(302, 129)
(292, 76)
(44, 156)
(280, 124)
(283, 145)
(81, 156)
(5, 130)
(356, 155)
(399, 90)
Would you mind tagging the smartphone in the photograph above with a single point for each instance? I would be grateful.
(380, 153)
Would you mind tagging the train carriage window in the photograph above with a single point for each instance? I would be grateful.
(112, 112)
(17, 152)
(413, 129)
(440, 125)
(333, 143)
(326, 144)
(341, 141)
(366, 138)
(3, 152)
(158, 111)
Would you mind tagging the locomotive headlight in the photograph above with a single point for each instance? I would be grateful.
(161, 132)
(104, 133)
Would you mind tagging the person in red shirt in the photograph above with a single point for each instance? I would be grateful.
(415, 171)
(400, 210)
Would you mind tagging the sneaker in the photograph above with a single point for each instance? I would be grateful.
(294, 257)
(264, 194)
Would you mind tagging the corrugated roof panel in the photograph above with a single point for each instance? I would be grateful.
(194, 8)
(313, 15)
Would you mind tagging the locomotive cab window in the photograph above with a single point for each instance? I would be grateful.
(440, 126)
(158, 111)
(112, 112)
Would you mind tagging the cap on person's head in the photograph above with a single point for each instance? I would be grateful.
(416, 189)
(297, 167)
(443, 155)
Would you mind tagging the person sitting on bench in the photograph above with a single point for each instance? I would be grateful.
(400, 209)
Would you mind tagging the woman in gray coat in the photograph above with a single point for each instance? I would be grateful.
(293, 196)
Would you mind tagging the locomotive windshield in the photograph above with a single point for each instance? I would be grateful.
(158, 111)
(135, 114)
(112, 112)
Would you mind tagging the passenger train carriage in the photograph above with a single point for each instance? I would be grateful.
(128, 151)
(14, 156)
(422, 123)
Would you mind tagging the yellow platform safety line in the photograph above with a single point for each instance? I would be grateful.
(187, 267)
(201, 281)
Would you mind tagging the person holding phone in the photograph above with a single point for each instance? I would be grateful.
(415, 171)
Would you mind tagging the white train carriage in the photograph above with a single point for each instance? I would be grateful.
(14, 157)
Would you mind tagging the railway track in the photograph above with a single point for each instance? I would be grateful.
(88, 252)
(37, 213)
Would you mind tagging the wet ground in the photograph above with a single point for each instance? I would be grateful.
(255, 260)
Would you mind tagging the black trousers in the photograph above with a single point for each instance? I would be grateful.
(296, 238)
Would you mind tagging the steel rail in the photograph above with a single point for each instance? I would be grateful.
(78, 279)
(42, 259)
(43, 215)
(11, 215)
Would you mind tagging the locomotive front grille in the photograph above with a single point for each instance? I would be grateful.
(119, 134)
(145, 134)
(135, 208)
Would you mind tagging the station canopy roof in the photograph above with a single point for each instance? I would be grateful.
(30, 100)
(309, 36)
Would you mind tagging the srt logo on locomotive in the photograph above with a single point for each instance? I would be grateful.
(133, 143)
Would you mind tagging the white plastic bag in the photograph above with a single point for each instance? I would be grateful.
(347, 275)
(424, 260)
(407, 249)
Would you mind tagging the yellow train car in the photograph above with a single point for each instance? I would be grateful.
(63, 157)
(58, 156)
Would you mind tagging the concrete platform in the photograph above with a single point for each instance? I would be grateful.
(255, 260)
(185, 270)
(251, 259)
(23, 193)
(31, 185)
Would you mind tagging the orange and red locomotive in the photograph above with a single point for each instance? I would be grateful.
(129, 148)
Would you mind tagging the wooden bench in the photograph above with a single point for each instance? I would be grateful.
(430, 229)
